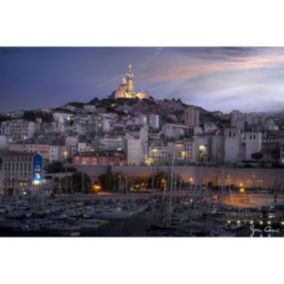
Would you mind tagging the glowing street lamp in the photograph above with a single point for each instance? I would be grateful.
(242, 189)
(149, 161)
(154, 151)
(65, 153)
(202, 151)
(202, 148)
(183, 154)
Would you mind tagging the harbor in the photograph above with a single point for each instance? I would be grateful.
(149, 214)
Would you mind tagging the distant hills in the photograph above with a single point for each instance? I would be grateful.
(279, 115)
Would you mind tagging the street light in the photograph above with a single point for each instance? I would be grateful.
(65, 153)
(154, 150)
(202, 152)
(202, 156)
(126, 189)
(183, 155)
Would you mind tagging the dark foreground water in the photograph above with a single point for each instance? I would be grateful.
(142, 226)
(151, 222)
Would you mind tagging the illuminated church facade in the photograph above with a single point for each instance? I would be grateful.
(126, 88)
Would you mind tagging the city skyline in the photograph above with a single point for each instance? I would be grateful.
(215, 78)
(122, 167)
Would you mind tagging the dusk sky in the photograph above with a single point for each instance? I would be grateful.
(248, 79)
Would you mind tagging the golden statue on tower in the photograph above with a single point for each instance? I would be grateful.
(126, 88)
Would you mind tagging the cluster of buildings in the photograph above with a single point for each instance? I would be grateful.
(145, 132)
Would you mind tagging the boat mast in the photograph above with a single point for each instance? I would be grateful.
(172, 180)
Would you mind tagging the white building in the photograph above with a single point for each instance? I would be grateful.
(71, 143)
(83, 147)
(106, 125)
(58, 126)
(4, 143)
(48, 152)
(154, 121)
(185, 151)
(62, 116)
(143, 120)
(197, 130)
(18, 128)
(217, 148)
(253, 142)
(135, 151)
(154, 135)
(172, 130)
(209, 127)
(79, 127)
(270, 125)
(89, 108)
(232, 145)
(110, 143)
(16, 114)
(159, 153)
(137, 145)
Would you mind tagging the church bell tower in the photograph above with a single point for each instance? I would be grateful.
(129, 80)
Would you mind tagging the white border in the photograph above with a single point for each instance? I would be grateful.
(136, 260)
(141, 23)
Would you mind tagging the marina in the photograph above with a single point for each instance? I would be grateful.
(144, 215)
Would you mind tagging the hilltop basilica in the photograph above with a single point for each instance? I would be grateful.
(126, 88)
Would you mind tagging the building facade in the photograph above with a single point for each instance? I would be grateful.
(253, 143)
(232, 145)
(16, 172)
(109, 158)
(48, 152)
(18, 128)
(135, 151)
(191, 116)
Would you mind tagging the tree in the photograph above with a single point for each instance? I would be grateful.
(94, 101)
(119, 182)
(76, 104)
(81, 182)
(106, 180)
(140, 182)
(33, 115)
(257, 156)
(262, 164)
(58, 167)
(55, 167)
(275, 153)
(248, 166)
(57, 185)
(4, 118)
(160, 180)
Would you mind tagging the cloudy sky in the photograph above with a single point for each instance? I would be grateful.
(248, 79)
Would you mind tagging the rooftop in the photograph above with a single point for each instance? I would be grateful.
(8, 153)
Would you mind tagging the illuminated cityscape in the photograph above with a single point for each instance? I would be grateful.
(138, 163)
